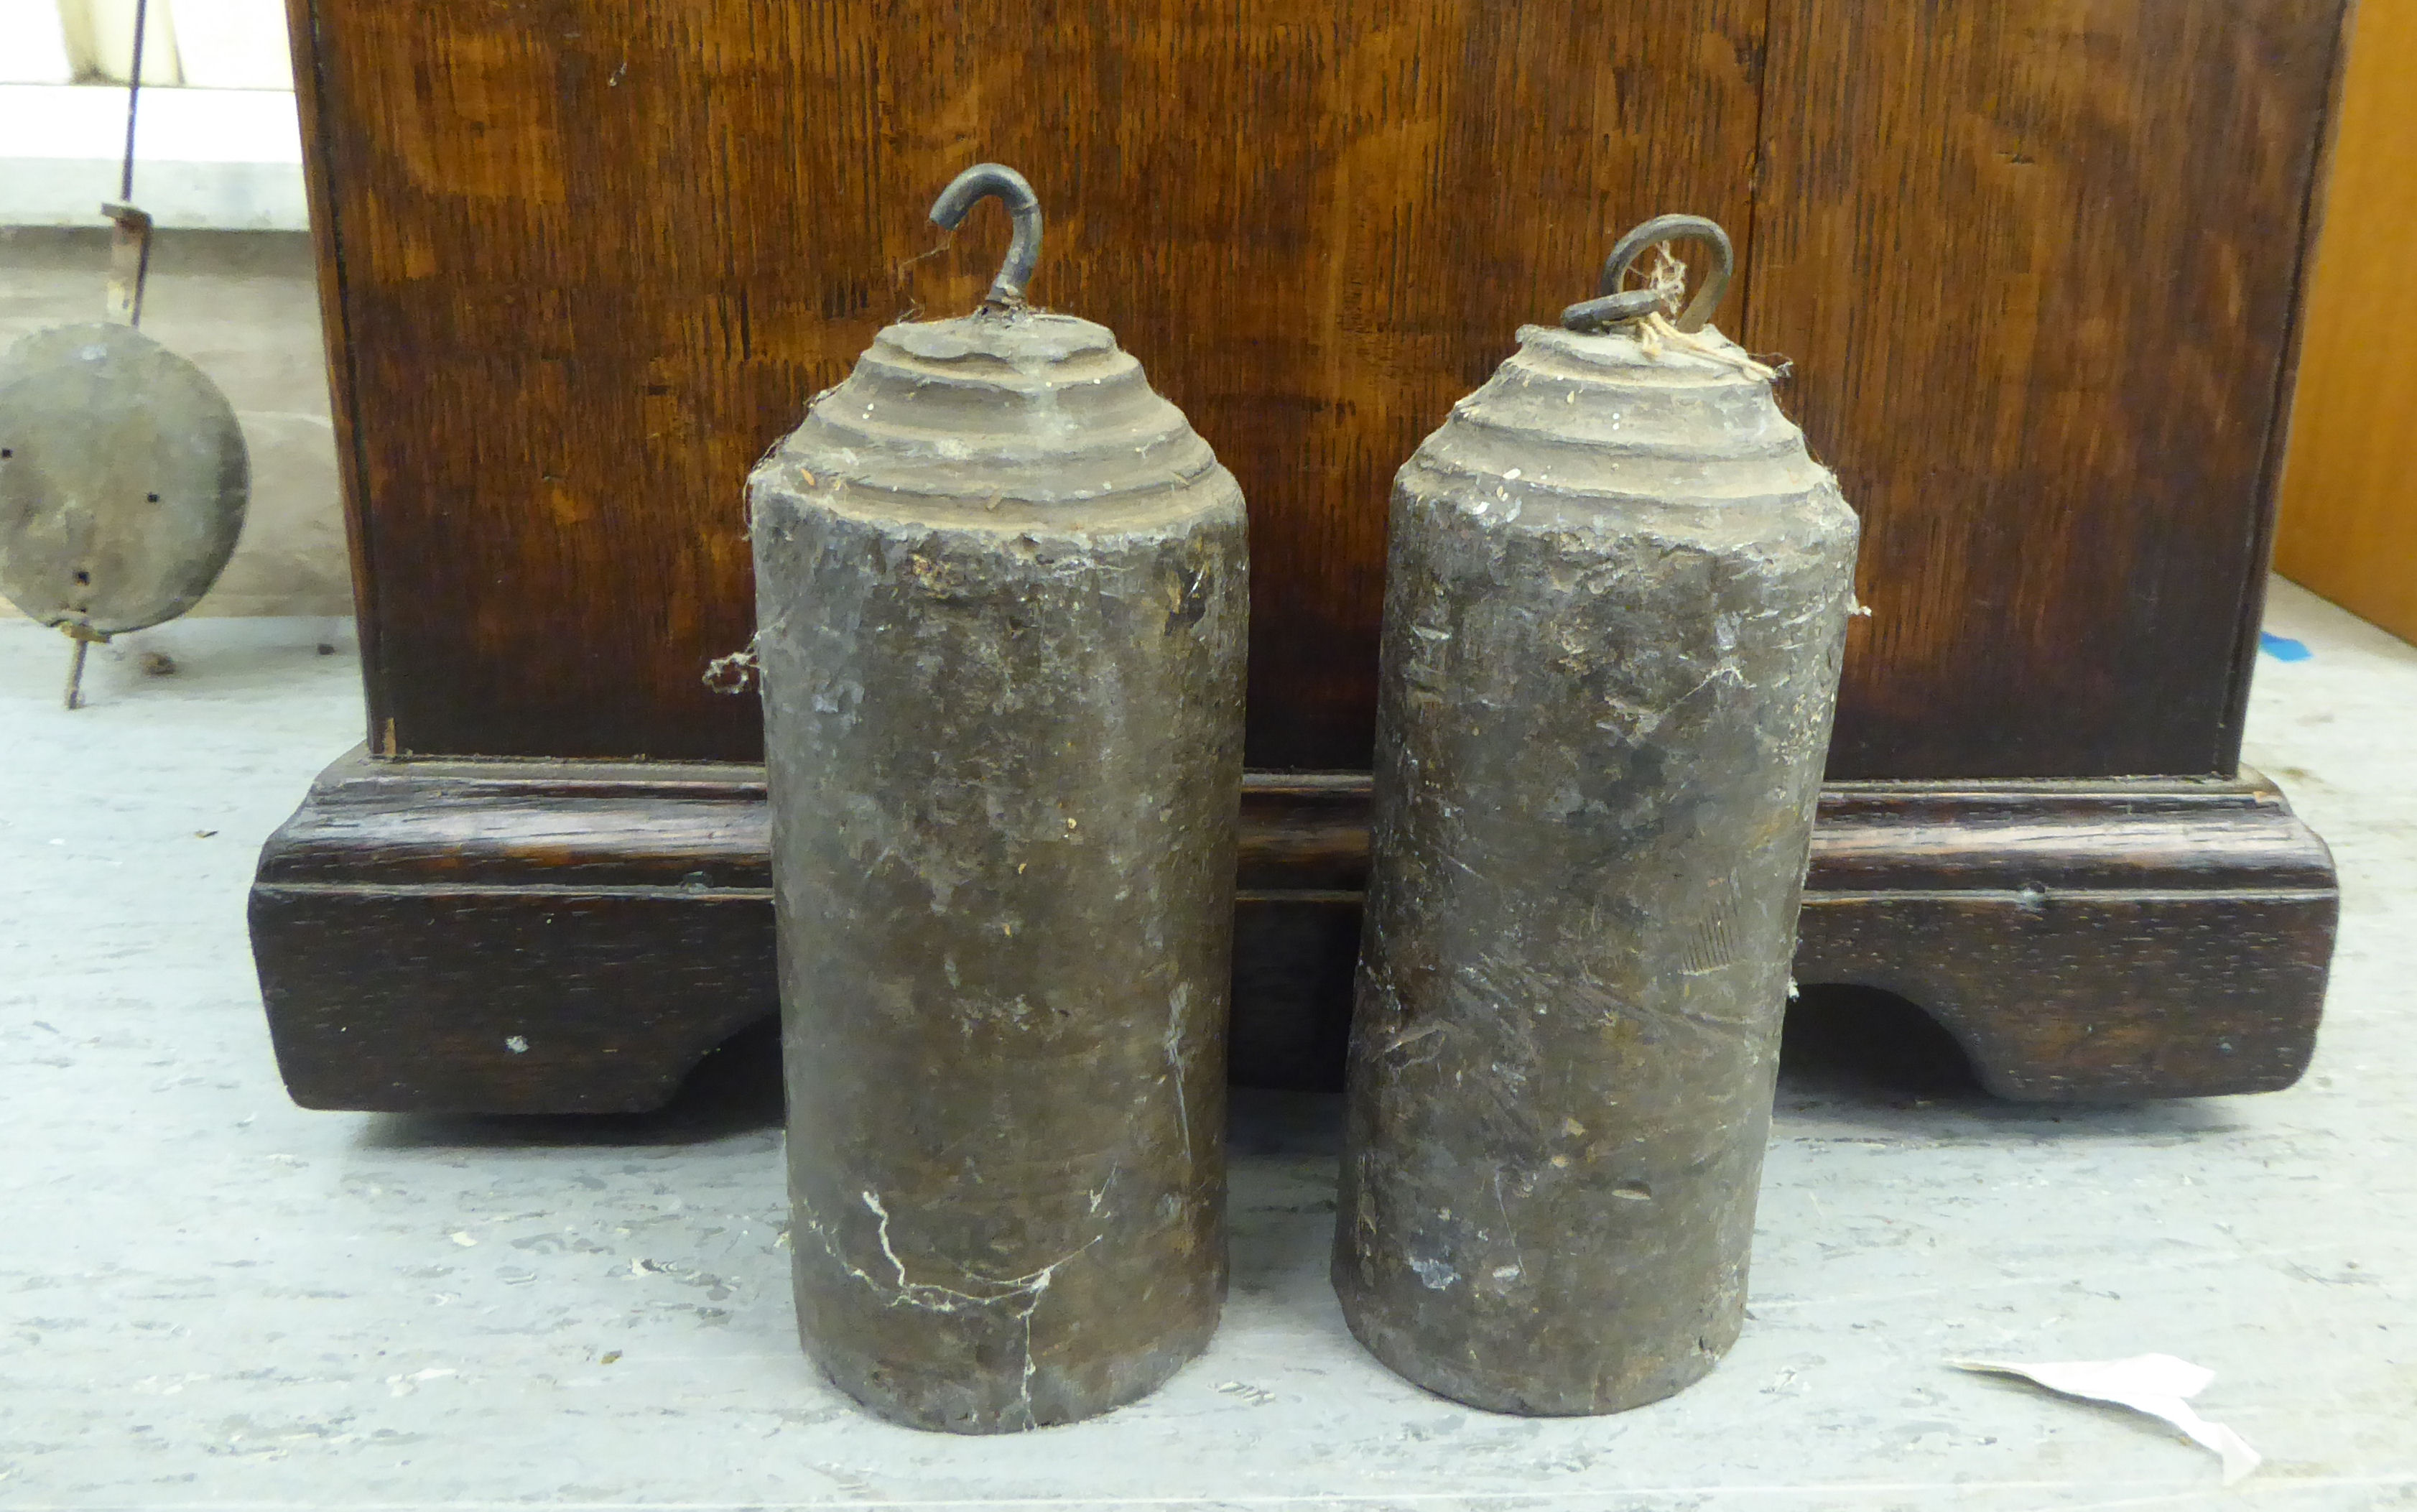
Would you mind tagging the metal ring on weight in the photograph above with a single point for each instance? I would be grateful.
(1612, 304)
(1597, 316)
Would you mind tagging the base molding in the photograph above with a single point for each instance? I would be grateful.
(2086, 941)
(549, 937)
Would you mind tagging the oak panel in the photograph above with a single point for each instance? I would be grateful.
(2038, 263)
(591, 259)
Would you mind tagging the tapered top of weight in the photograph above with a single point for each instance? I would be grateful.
(1629, 398)
(1005, 404)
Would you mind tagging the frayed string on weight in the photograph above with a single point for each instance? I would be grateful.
(1654, 331)
(1668, 278)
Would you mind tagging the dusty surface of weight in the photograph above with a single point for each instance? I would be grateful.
(1002, 591)
(1617, 595)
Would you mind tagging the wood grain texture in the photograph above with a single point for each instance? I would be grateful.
(2038, 263)
(592, 258)
(2349, 528)
(2146, 938)
(2083, 941)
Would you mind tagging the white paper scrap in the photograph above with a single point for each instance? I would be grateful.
(2157, 1385)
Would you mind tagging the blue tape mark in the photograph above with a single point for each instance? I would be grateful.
(2283, 647)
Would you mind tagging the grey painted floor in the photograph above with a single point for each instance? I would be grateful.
(210, 1298)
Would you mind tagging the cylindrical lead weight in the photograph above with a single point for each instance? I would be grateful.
(1001, 593)
(1614, 604)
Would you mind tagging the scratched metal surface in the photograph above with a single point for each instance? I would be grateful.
(1615, 599)
(1002, 591)
(208, 1297)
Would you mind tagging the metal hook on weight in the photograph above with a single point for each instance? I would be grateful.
(1612, 305)
(990, 180)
